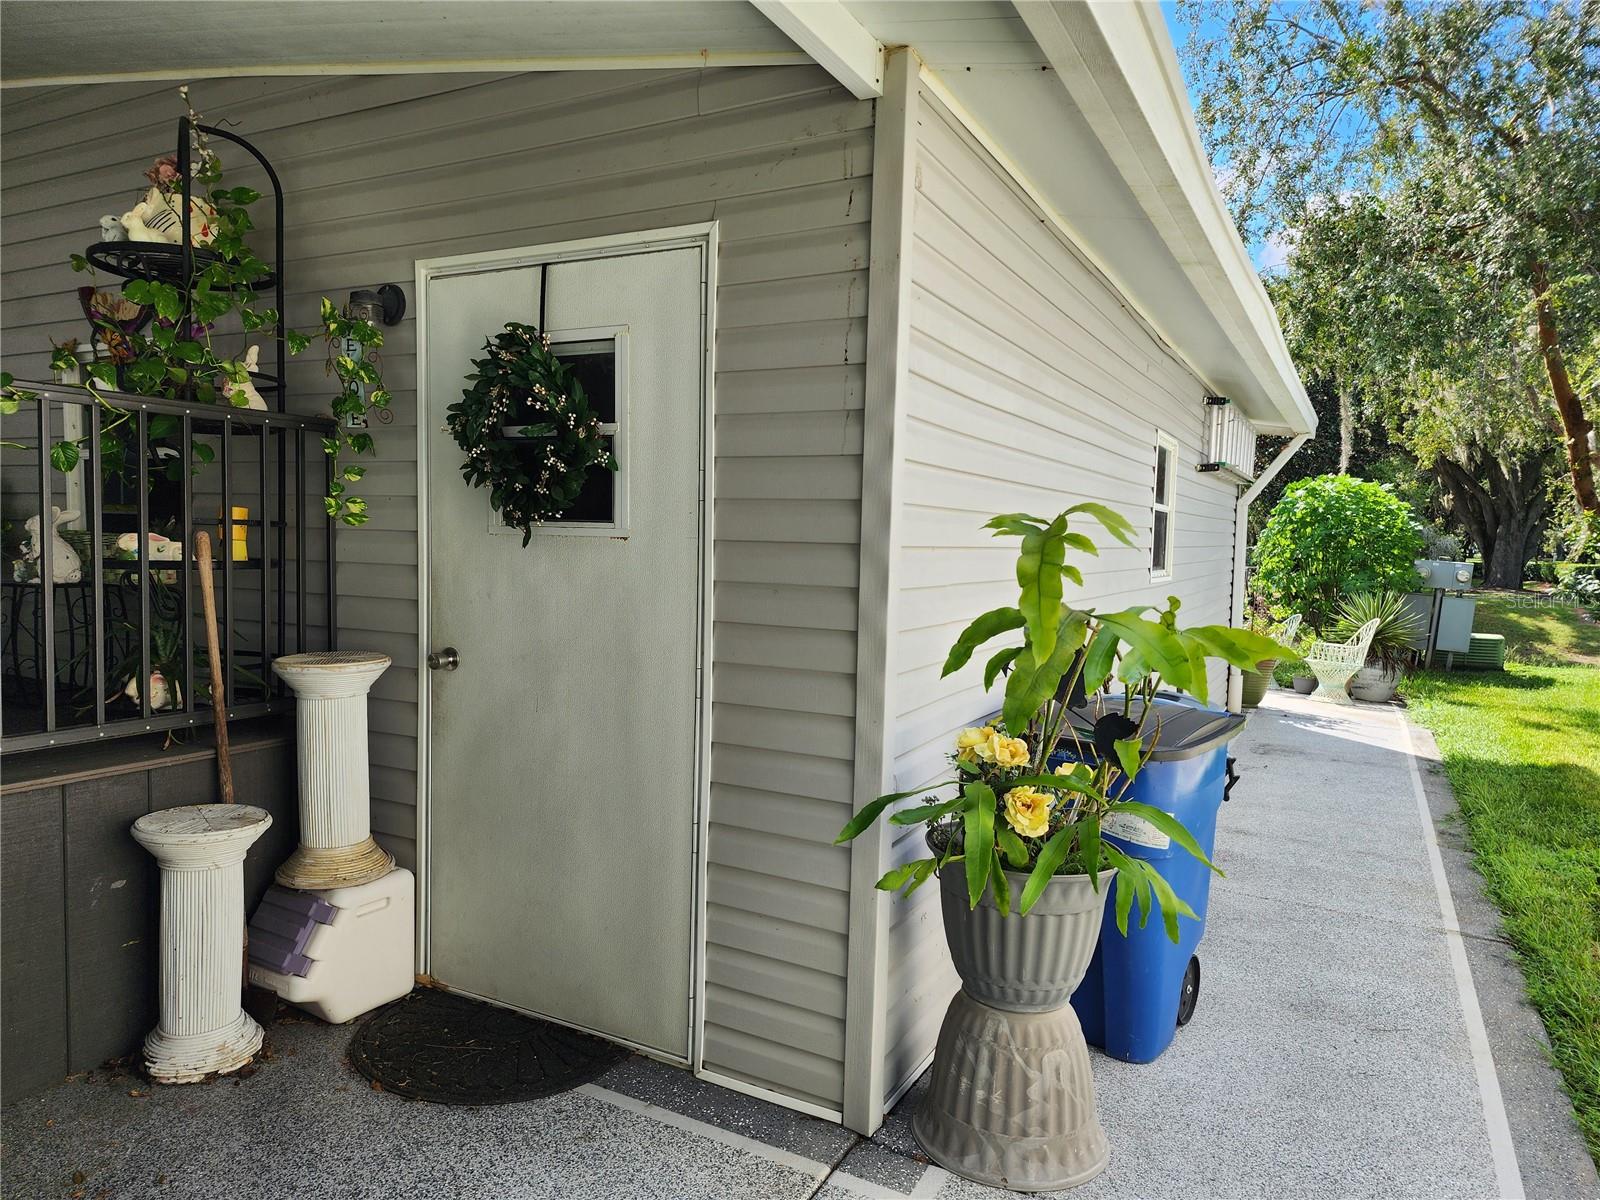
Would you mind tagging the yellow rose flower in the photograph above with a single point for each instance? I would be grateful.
(1028, 811)
(1005, 751)
(968, 742)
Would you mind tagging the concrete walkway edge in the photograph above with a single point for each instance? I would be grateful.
(1544, 1150)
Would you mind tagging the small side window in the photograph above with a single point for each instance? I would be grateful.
(1162, 510)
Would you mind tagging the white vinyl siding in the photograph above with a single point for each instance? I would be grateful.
(1032, 386)
(380, 171)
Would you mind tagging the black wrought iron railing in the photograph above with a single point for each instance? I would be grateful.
(102, 632)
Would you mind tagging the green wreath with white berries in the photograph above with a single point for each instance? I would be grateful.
(529, 432)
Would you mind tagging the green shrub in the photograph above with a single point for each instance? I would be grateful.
(1555, 571)
(1333, 536)
(1575, 536)
(1569, 571)
(1579, 583)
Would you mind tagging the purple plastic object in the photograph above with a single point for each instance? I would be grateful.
(283, 924)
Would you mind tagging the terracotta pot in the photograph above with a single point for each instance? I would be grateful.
(1011, 1103)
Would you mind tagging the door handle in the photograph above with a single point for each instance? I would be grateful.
(444, 660)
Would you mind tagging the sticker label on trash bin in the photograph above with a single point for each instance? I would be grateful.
(1129, 828)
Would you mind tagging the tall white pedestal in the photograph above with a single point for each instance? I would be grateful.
(336, 847)
(203, 1030)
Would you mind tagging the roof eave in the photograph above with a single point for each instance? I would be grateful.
(1099, 50)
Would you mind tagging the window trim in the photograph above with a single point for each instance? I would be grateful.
(1169, 505)
(618, 526)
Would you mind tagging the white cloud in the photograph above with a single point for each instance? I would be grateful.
(1272, 253)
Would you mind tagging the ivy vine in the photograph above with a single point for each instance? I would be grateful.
(177, 358)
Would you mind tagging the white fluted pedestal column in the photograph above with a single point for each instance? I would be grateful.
(203, 1030)
(336, 847)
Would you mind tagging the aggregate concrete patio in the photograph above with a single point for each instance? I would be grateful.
(1338, 1050)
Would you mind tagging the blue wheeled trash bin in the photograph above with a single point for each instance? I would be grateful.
(1141, 987)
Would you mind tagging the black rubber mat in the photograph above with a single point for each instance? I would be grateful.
(449, 1049)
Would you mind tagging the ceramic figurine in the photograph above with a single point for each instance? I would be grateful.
(111, 229)
(157, 219)
(247, 390)
(162, 695)
(65, 566)
(160, 547)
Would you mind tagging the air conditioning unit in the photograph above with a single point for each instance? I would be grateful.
(1230, 441)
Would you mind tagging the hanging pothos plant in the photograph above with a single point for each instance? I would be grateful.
(527, 427)
(181, 363)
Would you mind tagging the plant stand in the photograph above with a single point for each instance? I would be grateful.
(1011, 1103)
(202, 1030)
(336, 847)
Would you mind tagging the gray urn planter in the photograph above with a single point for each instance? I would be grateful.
(1374, 684)
(1305, 684)
(1011, 1103)
(1023, 964)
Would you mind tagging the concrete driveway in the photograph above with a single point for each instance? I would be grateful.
(1360, 1033)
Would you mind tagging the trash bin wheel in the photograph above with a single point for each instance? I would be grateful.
(1189, 991)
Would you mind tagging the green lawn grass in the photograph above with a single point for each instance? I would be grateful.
(1522, 751)
(1538, 629)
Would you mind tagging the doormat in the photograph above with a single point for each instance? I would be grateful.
(450, 1049)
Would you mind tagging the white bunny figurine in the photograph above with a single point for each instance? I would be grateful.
(232, 390)
(111, 229)
(157, 219)
(65, 566)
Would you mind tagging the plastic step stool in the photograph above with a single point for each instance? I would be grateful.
(339, 952)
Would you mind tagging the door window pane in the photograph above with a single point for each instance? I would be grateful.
(594, 365)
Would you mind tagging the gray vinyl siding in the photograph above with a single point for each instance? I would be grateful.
(1031, 385)
(382, 171)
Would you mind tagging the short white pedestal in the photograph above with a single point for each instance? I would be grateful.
(203, 1030)
(336, 847)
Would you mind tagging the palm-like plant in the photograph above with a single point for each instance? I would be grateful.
(1397, 626)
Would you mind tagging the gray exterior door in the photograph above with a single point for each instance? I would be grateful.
(564, 748)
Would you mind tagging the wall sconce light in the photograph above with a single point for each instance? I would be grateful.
(383, 305)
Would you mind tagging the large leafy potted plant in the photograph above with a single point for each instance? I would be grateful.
(1390, 650)
(1023, 870)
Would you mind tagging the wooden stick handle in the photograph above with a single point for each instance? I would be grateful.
(219, 684)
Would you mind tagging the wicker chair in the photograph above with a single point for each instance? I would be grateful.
(1335, 663)
(1290, 628)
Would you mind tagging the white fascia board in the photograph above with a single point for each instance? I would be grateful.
(838, 42)
(1118, 65)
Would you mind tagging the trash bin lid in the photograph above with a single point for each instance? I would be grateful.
(1179, 730)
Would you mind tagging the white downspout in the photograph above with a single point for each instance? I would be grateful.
(1241, 536)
